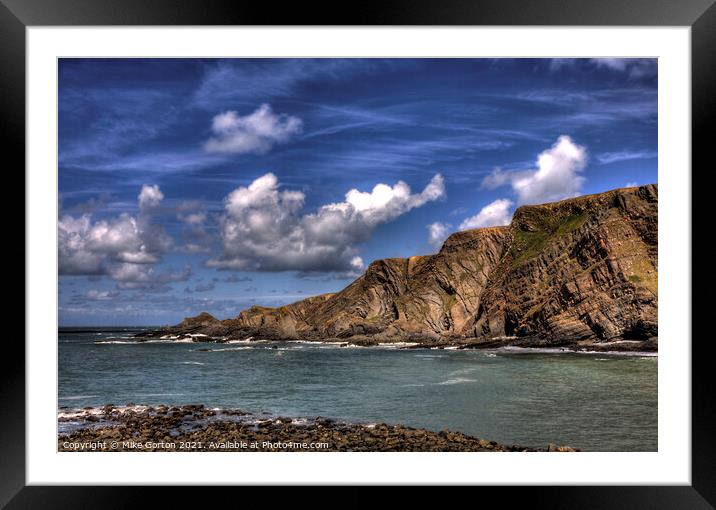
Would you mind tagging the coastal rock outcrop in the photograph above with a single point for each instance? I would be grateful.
(579, 271)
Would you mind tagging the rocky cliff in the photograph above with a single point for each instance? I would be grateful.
(581, 271)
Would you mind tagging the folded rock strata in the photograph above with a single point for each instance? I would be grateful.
(582, 271)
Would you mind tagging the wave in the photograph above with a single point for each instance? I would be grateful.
(190, 363)
(117, 342)
(560, 350)
(316, 342)
(456, 380)
(462, 371)
(160, 394)
(225, 349)
(633, 354)
(397, 345)
(73, 414)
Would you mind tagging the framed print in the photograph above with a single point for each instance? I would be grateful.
(421, 249)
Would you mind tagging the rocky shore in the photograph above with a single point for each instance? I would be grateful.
(199, 428)
(648, 345)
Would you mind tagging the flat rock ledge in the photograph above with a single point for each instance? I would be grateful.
(415, 341)
(199, 428)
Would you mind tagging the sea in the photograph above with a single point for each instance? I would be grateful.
(591, 401)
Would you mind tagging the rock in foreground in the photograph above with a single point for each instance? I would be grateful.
(196, 428)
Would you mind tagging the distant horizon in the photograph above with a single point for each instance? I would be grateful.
(190, 185)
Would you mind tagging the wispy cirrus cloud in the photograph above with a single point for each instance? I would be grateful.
(246, 80)
(606, 158)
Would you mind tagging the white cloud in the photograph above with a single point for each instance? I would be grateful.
(556, 176)
(255, 133)
(264, 229)
(150, 196)
(437, 233)
(113, 246)
(85, 246)
(357, 263)
(74, 255)
(493, 214)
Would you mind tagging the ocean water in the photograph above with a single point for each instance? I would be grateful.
(596, 402)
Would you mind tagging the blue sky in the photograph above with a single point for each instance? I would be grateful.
(210, 185)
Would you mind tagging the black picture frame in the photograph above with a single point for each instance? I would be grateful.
(700, 15)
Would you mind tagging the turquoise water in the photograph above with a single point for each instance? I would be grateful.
(595, 402)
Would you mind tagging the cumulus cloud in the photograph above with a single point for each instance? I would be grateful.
(557, 175)
(357, 263)
(437, 233)
(492, 215)
(255, 133)
(122, 247)
(86, 246)
(150, 197)
(263, 227)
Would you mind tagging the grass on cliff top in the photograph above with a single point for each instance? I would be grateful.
(527, 245)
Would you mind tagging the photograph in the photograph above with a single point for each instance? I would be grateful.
(357, 254)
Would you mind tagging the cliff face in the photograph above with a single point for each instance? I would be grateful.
(580, 270)
(584, 268)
